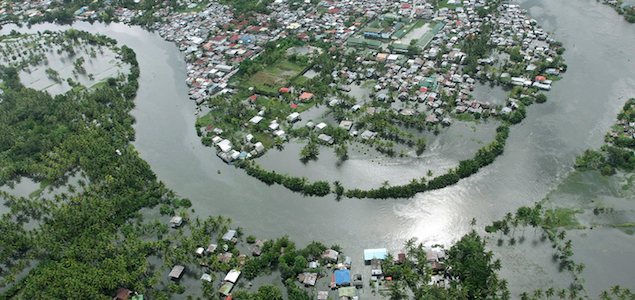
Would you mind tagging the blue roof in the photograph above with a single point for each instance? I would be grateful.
(380, 253)
(342, 276)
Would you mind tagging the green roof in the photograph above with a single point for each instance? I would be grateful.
(360, 42)
(374, 30)
(400, 46)
(427, 37)
(226, 289)
(347, 291)
(389, 16)
(399, 33)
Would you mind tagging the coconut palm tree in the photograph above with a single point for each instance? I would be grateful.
(615, 290)
(605, 296)
(562, 294)
(538, 293)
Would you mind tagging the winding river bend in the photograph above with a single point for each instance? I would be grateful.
(539, 154)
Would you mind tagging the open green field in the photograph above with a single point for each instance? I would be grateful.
(444, 3)
(272, 78)
(419, 24)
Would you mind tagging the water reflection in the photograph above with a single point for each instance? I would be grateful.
(539, 153)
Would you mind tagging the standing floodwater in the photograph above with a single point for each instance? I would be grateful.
(539, 152)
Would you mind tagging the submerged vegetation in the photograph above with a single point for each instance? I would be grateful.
(617, 153)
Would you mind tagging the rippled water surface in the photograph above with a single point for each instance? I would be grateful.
(538, 155)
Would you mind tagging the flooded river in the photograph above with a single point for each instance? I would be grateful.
(539, 154)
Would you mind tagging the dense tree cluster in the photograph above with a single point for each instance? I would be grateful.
(84, 133)
(618, 152)
(318, 188)
(469, 269)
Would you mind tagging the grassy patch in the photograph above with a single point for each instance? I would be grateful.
(554, 78)
(197, 9)
(369, 84)
(419, 24)
(272, 78)
(206, 120)
(304, 106)
(561, 217)
(98, 84)
(45, 183)
(624, 225)
(35, 193)
(300, 80)
(48, 86)
(265, 139)
(78, 88)
(444, 3)
(464, 117)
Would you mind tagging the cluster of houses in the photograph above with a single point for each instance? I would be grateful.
(628, 129)
(223, 255)
(23, 9)
(346, 284)
(341, 279)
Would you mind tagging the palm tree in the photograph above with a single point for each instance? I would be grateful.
(615, 290)
(524, 296)
(605, 296)
(538, 293)
(562, 235)
(550, 292)
(573, 294)
(562, 294)
(579, 268)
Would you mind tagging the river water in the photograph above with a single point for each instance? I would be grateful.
(539, 154)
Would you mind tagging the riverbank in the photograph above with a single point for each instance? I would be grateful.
(539, 153)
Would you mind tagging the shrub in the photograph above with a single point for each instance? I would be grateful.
(541, 98)
(251, 239)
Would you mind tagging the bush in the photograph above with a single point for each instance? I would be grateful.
(560, 50)
(207, 141)
(607, 171)
(165, 209)
(541, 98)
(173, 288)
(251, 239)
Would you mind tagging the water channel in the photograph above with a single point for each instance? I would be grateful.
(539, 154)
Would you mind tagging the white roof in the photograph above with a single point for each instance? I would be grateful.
(259, 146)
(274, 126)
(232, 276)
(225, 145)
(234, 154)
(279, 133)
(321, 125)
(256, 119)
(293, 115)
(206, 277)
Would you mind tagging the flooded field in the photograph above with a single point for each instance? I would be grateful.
(539, 155)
